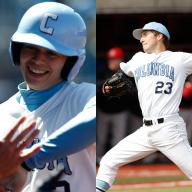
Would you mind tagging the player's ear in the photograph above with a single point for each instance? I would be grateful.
(160, 36)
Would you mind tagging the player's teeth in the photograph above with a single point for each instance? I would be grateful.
(37, 71)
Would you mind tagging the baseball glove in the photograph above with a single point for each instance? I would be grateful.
(119, 85)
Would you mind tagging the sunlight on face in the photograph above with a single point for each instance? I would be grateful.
(40, 67)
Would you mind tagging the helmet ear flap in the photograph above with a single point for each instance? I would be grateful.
(15, 49)
(70, 62)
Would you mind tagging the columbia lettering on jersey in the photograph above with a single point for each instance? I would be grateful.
(53, 164)
(159, 79)
(155, 69)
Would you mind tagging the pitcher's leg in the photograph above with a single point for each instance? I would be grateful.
(180, 152)
(130, 149)
(181, 155)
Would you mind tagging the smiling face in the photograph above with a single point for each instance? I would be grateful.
(40, 67)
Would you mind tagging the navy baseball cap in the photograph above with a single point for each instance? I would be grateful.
(151, 26)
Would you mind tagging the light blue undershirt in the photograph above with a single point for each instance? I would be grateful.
(104, 186)
(33, 99)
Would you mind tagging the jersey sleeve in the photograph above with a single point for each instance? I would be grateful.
(127, 68)
(187, 62)
(75, 135)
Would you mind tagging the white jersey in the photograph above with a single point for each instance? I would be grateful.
(160, 79)
(64, 105)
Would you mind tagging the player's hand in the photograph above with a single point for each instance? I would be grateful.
(119, 84)
(15, 182)
(12, 152)
(106, 89)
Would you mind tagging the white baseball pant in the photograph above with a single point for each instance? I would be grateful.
(169, 137)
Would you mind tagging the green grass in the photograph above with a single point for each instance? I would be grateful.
(148, 179)
(154, 190)
(136, 180)
(151, 179)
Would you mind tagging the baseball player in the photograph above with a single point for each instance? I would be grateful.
(159, 76)
(49, 48)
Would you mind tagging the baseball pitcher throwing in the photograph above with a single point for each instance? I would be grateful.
(159, 76)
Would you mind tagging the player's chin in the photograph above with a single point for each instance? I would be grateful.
(37, 85)
(147, 51)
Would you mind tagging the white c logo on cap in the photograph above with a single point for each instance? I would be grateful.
(43, 27)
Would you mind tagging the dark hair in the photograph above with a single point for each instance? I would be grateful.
(165, 39)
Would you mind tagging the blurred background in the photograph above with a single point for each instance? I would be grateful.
(115, 22)
(10, 15)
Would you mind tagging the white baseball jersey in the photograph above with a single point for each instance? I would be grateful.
(58, 110)
(156, 74)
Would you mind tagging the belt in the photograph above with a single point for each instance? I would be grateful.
(151, 122)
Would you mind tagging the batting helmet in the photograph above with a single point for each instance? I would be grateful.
(115, 52)
(53, 26)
